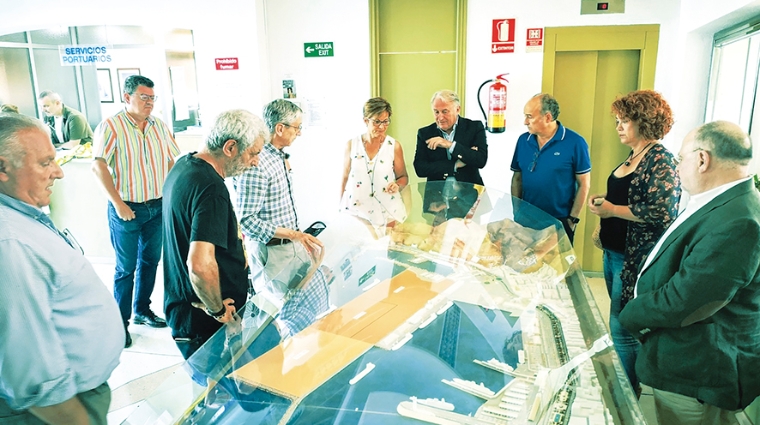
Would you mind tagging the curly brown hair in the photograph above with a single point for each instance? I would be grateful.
(648, 109)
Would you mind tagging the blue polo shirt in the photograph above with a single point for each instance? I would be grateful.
(549, 174)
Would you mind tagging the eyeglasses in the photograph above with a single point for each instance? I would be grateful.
(535, 160)
(379, 123)
(679, 158)
(145, 97)
(299, 128)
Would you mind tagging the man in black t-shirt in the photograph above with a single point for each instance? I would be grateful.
(205, 272)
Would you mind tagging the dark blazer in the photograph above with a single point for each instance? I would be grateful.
(698, 306)
(434, 165)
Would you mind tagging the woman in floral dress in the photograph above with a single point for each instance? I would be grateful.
(374, 171)
(641, 202)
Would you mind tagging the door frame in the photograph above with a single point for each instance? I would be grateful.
(644, 38)
(461, 50)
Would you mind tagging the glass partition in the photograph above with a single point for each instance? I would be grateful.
(471, 312)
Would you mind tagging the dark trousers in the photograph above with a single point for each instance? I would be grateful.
(570, 232)
(137, 244)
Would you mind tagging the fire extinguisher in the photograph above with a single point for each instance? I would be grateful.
(497, 104)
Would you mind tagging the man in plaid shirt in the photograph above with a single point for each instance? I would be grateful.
(269, 220)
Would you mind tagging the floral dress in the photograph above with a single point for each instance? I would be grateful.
(366, 195)
(653, 197)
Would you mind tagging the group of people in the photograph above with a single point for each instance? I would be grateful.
(685, 286)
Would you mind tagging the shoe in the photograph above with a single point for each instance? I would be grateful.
(128, 342)
(150, 319)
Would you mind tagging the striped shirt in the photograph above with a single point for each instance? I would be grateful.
(264, 199)
(138, 161)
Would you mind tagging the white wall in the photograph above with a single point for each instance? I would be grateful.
(333, 87)
(268, 35)
(525, 69)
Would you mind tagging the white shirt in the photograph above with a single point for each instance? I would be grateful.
(59, 128)
(694, 204)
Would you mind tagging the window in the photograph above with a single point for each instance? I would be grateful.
(733, 78)
(733, 87)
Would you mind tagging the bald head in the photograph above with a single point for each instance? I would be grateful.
(712, 155)
(726, 141)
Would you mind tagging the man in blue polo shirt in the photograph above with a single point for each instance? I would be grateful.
(551, 164)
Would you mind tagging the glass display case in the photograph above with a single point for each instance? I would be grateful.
(473, 311)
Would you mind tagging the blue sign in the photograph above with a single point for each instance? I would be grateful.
(84, 55)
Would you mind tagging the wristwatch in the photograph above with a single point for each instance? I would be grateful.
(219, 314)
(574, 220)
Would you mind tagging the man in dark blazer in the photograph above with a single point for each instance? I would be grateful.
(450, 151)
(697, 304)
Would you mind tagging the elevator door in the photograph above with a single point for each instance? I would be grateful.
(586, 68)
(418, 50)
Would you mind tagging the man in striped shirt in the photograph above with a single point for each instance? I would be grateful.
(133, 153)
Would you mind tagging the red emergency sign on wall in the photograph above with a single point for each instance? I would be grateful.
(534, 42)
(503, 36)
(223, 64)
(535, 37)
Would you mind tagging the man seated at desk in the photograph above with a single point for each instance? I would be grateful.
(68, 127)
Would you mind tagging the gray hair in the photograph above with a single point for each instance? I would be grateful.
(726, 141)
(447, 96)
(548, 105)
(280, 111)
(239, 125)
(51, 94)
(11, 125)
(134, 81)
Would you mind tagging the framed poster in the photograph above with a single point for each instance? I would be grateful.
(105, 87)
(122, 74)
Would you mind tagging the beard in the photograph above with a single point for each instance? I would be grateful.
(235, 167)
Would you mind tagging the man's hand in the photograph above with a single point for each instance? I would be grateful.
(459, 164)
(123, 211)
(437, 142)
(309, 242)
(229, 314)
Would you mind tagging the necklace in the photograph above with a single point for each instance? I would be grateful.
(631, 156)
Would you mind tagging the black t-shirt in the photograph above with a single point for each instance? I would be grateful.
(614, 229)
(197, 207)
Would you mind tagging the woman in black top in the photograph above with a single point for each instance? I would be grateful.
(641, 201)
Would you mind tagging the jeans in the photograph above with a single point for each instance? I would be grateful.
(626, 345)
(138, 249)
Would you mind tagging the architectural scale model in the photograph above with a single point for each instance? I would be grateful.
(461, 323)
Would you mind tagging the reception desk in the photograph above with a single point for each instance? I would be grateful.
(79, 204)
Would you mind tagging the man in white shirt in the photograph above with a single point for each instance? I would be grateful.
(698, 295)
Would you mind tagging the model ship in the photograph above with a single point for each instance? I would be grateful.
(471, 387)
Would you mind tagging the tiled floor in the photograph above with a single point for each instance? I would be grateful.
(599, 289)
(147, 363)
(153, 355)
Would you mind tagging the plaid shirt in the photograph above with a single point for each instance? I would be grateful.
(139, 160)
(264, 198)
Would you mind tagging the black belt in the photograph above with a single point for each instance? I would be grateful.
(278, 241)
(148, 202)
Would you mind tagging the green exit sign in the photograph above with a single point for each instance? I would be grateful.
(318, 50)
